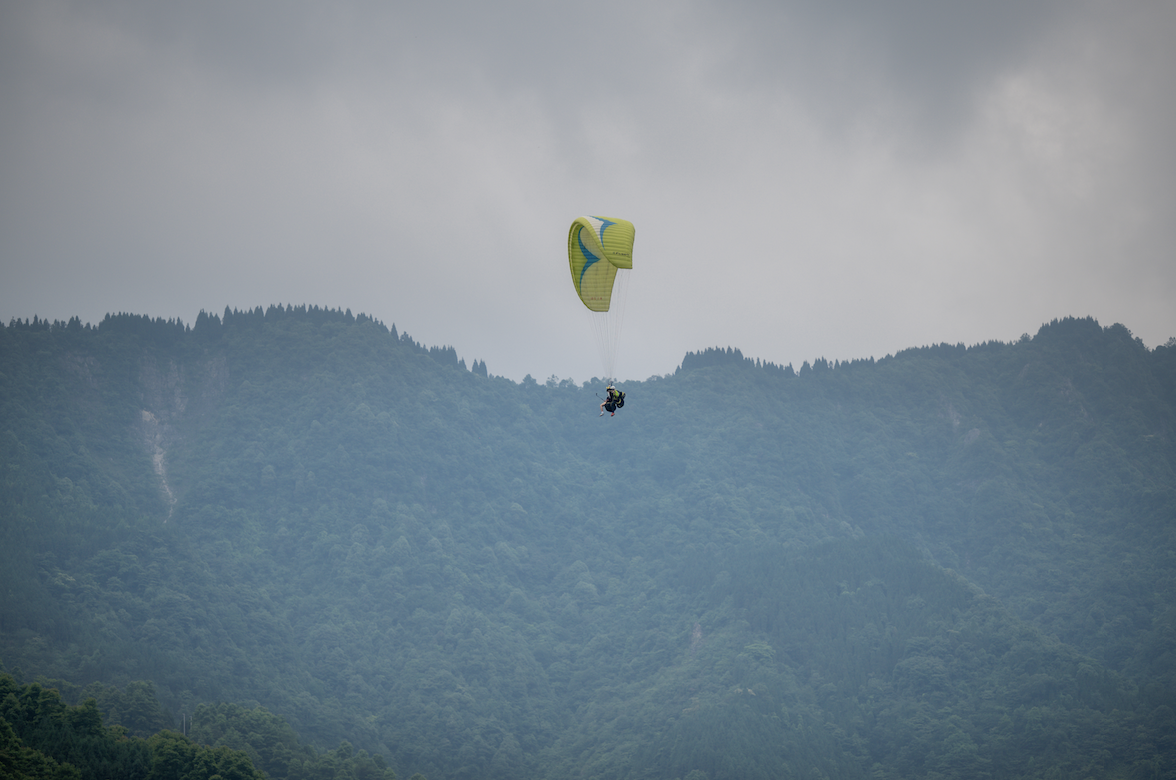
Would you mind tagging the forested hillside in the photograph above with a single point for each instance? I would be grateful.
(296, 524)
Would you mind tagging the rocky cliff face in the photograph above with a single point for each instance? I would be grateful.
(166, 390)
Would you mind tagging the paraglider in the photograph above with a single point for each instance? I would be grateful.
(614, 401)
(600, 257)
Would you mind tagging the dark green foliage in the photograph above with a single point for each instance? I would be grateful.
(275, 749)
(19, 762)
(952, 562)
(134, 707)
(42, 737)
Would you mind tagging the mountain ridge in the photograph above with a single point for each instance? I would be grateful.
(479, 577)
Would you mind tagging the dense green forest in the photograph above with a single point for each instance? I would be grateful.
(300, 538)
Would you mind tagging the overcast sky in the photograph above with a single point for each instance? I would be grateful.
(807, 179)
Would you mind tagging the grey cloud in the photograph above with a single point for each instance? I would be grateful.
(806, 178)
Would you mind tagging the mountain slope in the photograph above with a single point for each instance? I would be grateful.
(742, 573)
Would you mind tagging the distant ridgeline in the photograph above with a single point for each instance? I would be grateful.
(161, 332)
(298, 527)
(717, 356)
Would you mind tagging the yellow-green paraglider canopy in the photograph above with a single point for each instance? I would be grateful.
(597, 247)
(600, 256)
